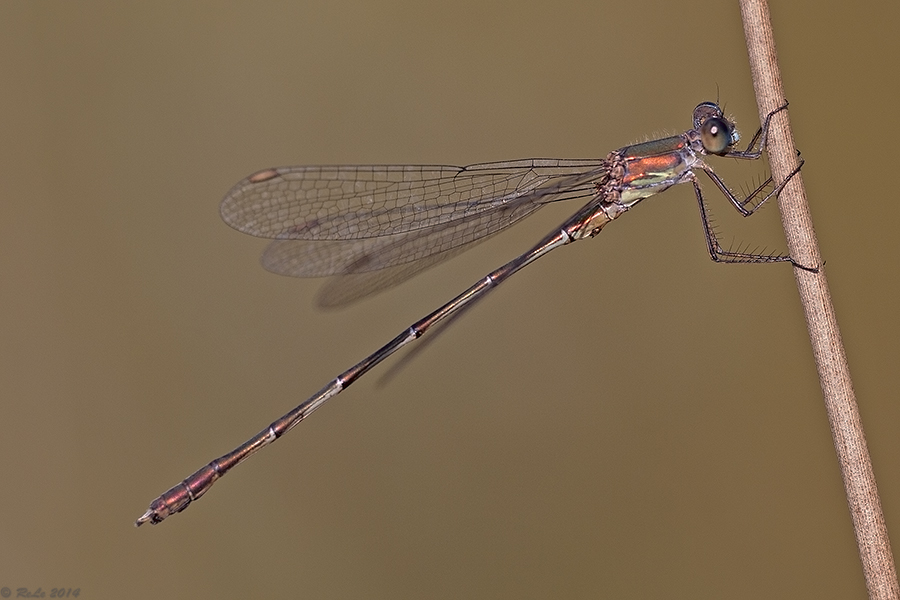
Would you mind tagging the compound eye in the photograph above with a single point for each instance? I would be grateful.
(716, 136)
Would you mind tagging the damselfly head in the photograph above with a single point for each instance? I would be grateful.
(717, 134)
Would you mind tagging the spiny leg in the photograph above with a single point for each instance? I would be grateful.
(762, 135)
(718, 254)
(741, 205)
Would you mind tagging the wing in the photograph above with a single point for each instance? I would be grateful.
(377, 226)
(356, 202)
(369, 265)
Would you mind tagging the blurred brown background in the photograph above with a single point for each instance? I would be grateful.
(622, 419)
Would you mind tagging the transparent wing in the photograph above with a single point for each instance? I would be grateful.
(377, 226)
(369, 265)
(357, 202)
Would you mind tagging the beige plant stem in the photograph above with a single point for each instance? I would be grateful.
(828, 350)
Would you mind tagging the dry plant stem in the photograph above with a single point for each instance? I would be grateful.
(828, 350)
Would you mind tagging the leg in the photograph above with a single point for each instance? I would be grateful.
(741, 205)
(717, 254)
(762, 135)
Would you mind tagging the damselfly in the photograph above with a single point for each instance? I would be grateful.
(379, 225)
